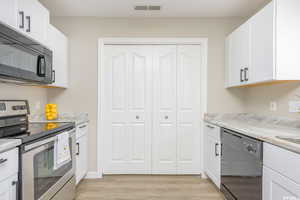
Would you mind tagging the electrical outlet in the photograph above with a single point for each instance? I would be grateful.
(294, 106)
(273, 106)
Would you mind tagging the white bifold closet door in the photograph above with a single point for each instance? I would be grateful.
(152, 109)
(176, 110)
(127, 109)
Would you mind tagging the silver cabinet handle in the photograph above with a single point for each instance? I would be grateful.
(209, 126)
(16, 183)
(241, 75)
(216, 149)
(137, 117)
(3, 160)
(29, 24)
(166, 117)
(21, 13)
(78, 148)
(246, 74)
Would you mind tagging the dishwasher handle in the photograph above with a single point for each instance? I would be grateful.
(232, 133)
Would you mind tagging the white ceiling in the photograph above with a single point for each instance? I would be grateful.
(170, 8)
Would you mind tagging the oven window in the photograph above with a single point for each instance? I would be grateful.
(12, 55)
(45, 176)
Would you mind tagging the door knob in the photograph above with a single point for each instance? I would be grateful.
(137, 117)
(166, 117)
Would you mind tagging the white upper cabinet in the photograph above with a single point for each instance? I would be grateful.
(29, 17)
(8, 9)
(239, 55)
(33, 19)
(262, 45)
(266, 47)
(58, 43)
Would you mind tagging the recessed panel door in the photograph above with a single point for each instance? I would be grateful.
(164, 145)
(127, 105)
(188, 109)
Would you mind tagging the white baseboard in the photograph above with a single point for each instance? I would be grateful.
(93, 175)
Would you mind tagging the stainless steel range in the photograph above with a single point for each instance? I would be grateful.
(241, 166)
(40, 178)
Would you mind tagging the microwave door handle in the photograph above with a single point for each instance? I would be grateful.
(41, 66)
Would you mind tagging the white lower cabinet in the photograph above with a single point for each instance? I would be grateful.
(81, 153)
(212, 153)
(9, 164)
(278, 187)
(8, 188)
(281, 177)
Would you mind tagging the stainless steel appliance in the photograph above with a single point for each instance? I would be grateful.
(241, 166)
(22, 59)
(39, 178)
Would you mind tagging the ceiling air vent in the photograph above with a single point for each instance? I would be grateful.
(141, 8)
(147, 8)
(155, 8)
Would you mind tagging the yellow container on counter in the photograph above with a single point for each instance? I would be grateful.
(51, 111)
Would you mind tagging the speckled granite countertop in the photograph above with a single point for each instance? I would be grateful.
(79, 118)
(6, 144)
(264, 128)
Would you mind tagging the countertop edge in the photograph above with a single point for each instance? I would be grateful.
(273, 141)
(9, 144)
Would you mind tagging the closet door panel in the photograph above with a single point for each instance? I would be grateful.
(127, 114)
(188, 109)
(164, 110)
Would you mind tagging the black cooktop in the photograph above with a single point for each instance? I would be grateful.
(40, 130)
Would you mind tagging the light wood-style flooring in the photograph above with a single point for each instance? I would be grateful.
(140, 187)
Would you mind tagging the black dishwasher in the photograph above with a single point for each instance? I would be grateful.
(241, 166)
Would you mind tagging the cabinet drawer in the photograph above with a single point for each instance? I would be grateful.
(213, 131)
(9, 163)
(283, 161)
(81, 130)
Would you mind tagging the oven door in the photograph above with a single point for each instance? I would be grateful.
(22, 59)
(40, 179)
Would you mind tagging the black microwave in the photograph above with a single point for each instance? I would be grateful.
(23, 59)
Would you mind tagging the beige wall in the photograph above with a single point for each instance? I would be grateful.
(36, 96)
(83, 34)
(257, 99)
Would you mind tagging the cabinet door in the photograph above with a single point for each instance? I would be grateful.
(8, 188)
(39, 21)
(188, 109)
(8, 12)
(127, 109)
(58, 43)
(164, 151)
(239, 56)
(81, 158)
(212, 159)
(212, 153)
(278, 187)
(24, 10)
(262, 45)
(36, 19)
